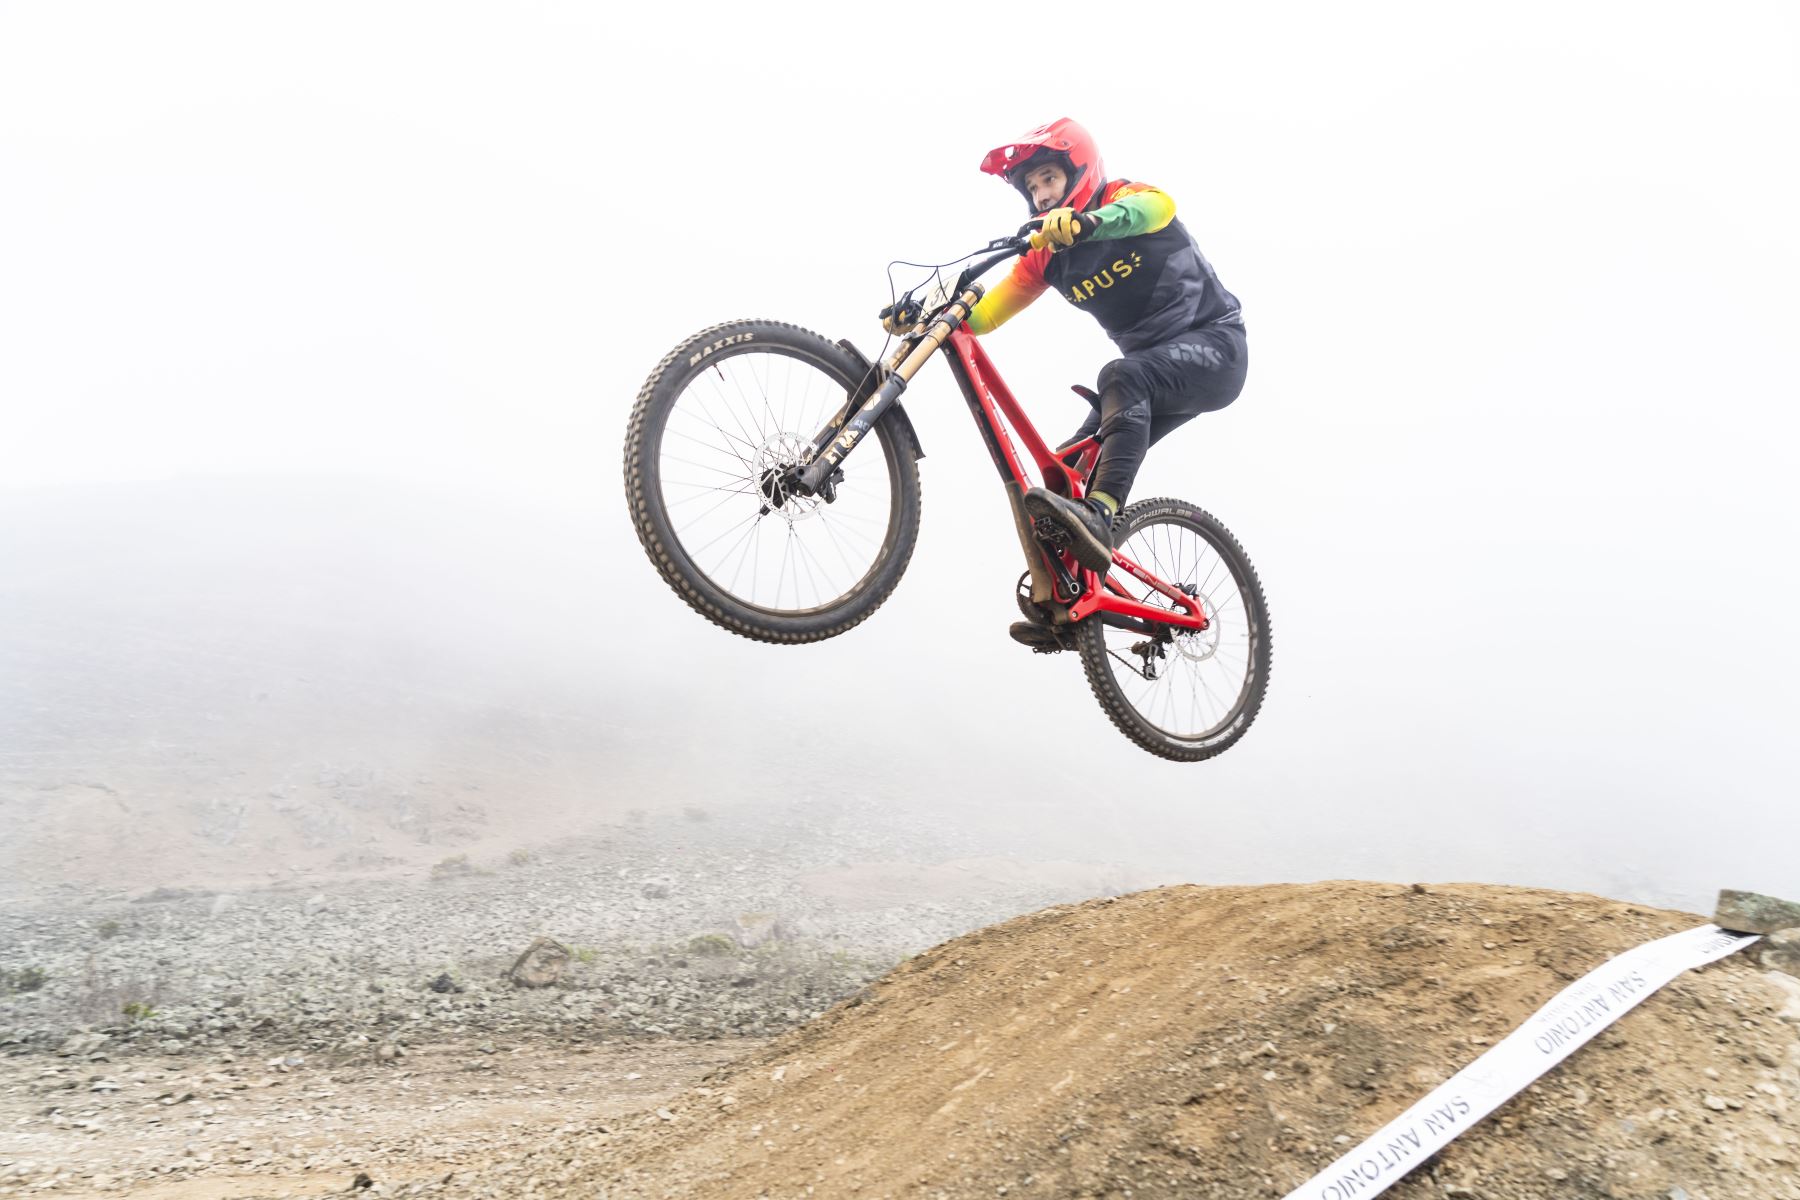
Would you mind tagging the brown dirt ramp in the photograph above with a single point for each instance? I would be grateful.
(1227, 1042)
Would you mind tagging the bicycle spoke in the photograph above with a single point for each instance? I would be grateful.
(810, 561)
(787, 391)
(688, 462)
(750, 520)
(706, 488)
(724, 402)
(849, 525)
(748, 407)
(749, 537)
(714, 423)
(672, 505)
(836, 544)
(1200, 676)
(729, 498)
(748, 427)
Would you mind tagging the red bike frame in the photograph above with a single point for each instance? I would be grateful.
(989, 400)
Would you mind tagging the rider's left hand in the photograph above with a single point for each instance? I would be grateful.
(900, 317)
(1061, 227)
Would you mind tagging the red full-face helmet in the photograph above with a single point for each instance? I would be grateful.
(1061, 142)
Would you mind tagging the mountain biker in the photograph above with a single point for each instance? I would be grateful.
(1115, 249)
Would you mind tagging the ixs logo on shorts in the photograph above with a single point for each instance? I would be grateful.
(1117, 273)
(733, 340)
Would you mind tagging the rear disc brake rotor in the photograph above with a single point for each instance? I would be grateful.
(1198, 645)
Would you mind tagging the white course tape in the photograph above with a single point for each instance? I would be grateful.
(1558, 1029)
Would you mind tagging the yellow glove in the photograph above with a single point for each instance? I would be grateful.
(1060, 227)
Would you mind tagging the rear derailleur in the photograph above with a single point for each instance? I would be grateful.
(1150, 651)
(1155, 648)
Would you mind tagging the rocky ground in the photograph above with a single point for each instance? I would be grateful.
(775, 1008)
(181, 1127)
(291, 1032)
(839, 998)
(1225, 1044)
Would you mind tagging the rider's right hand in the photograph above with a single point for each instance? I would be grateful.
(1061, 228)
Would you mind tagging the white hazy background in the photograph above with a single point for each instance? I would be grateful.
(1515, 459)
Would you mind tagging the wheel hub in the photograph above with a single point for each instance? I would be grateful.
(778, 462)
(1198, 645)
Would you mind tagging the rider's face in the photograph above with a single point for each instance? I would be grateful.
(1046, 185)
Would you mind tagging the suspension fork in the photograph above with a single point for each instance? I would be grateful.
(902, 365)
(865, 387)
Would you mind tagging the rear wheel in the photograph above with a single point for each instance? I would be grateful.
(1182, 694)
(716, 432)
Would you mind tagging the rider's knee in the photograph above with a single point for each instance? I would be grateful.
(1122, 412)
(1123, 376)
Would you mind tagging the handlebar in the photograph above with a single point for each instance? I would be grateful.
(998, 251)
(908, 313)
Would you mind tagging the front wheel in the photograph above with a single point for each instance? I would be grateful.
(718, 427)
(1180, 694)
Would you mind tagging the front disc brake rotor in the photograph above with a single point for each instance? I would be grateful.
(777, 465)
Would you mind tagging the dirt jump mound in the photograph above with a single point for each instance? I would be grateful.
(1231, 1042)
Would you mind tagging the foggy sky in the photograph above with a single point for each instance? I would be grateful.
(1514, 460)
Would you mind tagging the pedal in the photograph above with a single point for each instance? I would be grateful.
(1041, 639)
(1050, 533)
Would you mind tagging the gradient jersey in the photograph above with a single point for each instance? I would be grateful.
(1139, 273)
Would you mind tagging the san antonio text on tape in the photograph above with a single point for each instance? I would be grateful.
(1561, 1027)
